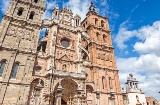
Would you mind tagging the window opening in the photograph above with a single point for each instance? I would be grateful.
(103, 82)
(96, 21)
(102, 23)
(31, 15)
(65, 42)
(2, 66)
(36, 1)
(20, 11)
(38, 69)
(14, 72)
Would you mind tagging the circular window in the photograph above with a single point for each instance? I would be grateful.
(65, 42)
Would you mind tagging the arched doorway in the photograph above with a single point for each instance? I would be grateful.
(89, 93)
(35, 93)
(69, 94)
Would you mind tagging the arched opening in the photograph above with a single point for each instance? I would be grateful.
(35, 91)
(31, 16)
(96, 21)
(90, 94)
(36, 1)
(103, 82)
(102, 23)
(69, 94)
(64, 67)
(154, 103)
(38, 68)
(104, 38)
(14, 70)
(2, 67)
(20, 11)
(98, 36)
(85, 56)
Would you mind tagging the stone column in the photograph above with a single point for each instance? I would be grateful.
(79, 91)
(59, 95)
(112, 97)
(98, 96)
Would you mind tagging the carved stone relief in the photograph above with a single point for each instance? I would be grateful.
(103, 56)
(11, 30)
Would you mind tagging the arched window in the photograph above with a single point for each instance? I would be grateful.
(154, 103)
(31, 16)
(110, 82)
(104, 38)
(102, 23)
(36, 1)
(14, 71)
(36, 90)
(103, 82)
(2, 66)
(20, 11)
(64, 67)
(98, 36)
(96, 21)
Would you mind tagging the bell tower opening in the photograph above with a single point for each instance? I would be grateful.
(20, 11)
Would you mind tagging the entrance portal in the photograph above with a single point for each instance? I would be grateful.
(69, 94)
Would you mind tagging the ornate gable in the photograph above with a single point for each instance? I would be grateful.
(65, 58)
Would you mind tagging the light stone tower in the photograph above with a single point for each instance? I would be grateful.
(133, 94)
(19, 32)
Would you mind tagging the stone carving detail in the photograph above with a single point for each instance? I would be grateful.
(65, 33)
(27, 36)
(73, 44)
(11, 31)
(103, 56)
(20, 33)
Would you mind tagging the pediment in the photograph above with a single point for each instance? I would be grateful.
(65, 58)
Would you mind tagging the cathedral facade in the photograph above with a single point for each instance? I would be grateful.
(73, 64)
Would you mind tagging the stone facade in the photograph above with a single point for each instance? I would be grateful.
(73, 64)
(152, 101)
(133, 94)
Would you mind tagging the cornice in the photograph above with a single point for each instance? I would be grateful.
(24, 23)
(30, 3)
(19, 51)
(98, 28)
(93, 42)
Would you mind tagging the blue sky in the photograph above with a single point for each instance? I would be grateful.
(135, 29)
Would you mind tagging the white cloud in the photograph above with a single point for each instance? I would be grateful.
(146, 66)
(4, 5)
(79, 7)
(149, 37)
(146, 62)
(49, 6)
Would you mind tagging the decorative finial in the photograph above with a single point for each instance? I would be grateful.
(67, 6)
(57, 7)
(92, 8)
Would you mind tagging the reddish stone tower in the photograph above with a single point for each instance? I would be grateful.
(103, 75)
